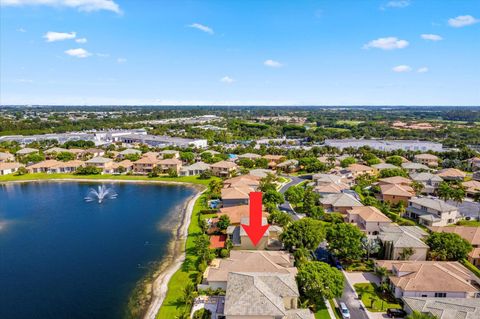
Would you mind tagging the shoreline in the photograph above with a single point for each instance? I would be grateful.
(173, 260)
(176, 254)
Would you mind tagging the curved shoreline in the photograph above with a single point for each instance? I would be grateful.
(175, 256)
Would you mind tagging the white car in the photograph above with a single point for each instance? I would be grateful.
(344, 310)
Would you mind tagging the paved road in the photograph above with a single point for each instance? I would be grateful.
(294, 181)
(352, 303)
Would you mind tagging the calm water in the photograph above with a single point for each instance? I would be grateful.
(64, 258)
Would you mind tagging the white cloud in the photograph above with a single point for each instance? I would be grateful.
(79, 53)
(422, 70)
(227, 79)
(462, 21)
(398, 4)
(121, 60)
(81, 40)
(81, 5)
(402, 68)
(389, 43)
(431, 37)
(273, 64)
(201, 27)
(21, 30)
(52, 36)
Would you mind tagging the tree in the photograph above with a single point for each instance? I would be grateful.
(279, 218)
(245, 162)
(417, 187)
(345, 241)
(273, 198)
(391, 172)
(310, 201)
(394, 160)
(318, 281)
(261, 163)
(406, 253)
(21, 171)
(65, 156)
(304, 233)
(172, 173)
(347, 161)
(294, 195)
(371, 246)
(223, 222)
(206, 174)
(33, 158)
(202, 314)
(188, 293)
(202, 248)
(420, 315)
(381, 272)
(448, 246)
(444, 191)
(88, 170)
(215, 187)
(187, 157)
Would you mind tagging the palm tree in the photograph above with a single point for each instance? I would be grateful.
(444, 191)
(381, 272)
(417, 187)
(421, 315)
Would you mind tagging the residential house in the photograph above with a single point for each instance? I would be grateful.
(249, 156)
(329, 160)
(339, 202)
(66, 167)
(170, 164)
(381, 166)
(240, 239)
(439, 279)
(52, 153)
(396, 193)
(397, 180)
(432, 211)
(263, 295)
(426, 159)
(474, 163)
(470, 234)
(93, 152)
(472, 188)
(129, 152)
(429, 181)
(9, 167)
(398, 240)
(242, 180)
(261, 172)
(6, 157)
(235, 196)
(476, 176)
(145, 165)
(359, 169)
(414, 167)
(443, 308)
(368, 218)
(124, 166)
(452, 174)
(42, 167)
(329, 184)
(224, 169)
(194, 169)
(288, 166)
(274, 160)
(26, 151)
(103, 163)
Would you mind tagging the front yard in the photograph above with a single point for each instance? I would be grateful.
(374, 300)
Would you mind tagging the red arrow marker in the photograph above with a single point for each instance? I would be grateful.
(255, 230)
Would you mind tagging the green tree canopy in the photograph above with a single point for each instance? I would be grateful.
(448, 246)
(318, 280)
(304, 233)
(347, 161)
(345, 241)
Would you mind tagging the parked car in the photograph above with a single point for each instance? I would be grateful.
(396, 313)
(344, 311)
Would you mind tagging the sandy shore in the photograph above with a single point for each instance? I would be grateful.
(160, 284)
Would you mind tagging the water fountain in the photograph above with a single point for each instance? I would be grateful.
(103, 192)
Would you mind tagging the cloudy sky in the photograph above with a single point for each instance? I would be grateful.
(400, 52)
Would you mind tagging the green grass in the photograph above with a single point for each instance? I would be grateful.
(172, 305)
(474, 223)
(369, 294)
(45, 176)
(336, 311)
(322, 312)
(359, 265)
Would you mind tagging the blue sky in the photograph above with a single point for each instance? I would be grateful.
(240, 52)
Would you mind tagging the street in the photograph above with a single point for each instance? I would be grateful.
(352, 303)
(286, 205)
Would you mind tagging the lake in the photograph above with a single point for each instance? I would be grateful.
(62, 257)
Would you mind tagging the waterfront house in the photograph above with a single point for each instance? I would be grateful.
(426, 159)
(341, 202)
(170, 164)
(42, 167)
(102, 163)
(9, 167)
(194, 169)
(432, 211)
(93, 152)
(224, 169)
(368, 218)
(52, 153)
(145, 165)
(235, 196)
(6, 157)
(439, 279)
(398, 240)
(66, 167)
(242, 180)
(470, 234)
(124, 166)
(240, 239)
(257, 261)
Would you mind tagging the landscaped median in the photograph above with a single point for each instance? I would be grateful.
(374, 300)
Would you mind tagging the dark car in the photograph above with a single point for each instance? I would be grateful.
(396, 313)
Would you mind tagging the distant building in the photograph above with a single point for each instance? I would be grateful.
(426, 159)
(163, 141)
(386, 145)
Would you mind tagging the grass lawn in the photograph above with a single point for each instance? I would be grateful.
(45, 176)
(360, 266)
(374, 301)
(322, 312)
(468, 223)
(172, 305)
(336, 311)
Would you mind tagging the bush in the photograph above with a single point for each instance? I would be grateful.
(208, 211)
(206, 174)
(21, 171)
(88, 170)
(202, 314)
(224, 253)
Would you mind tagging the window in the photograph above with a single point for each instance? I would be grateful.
(440, 294)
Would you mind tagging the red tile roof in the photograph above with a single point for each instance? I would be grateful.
(218, 241)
